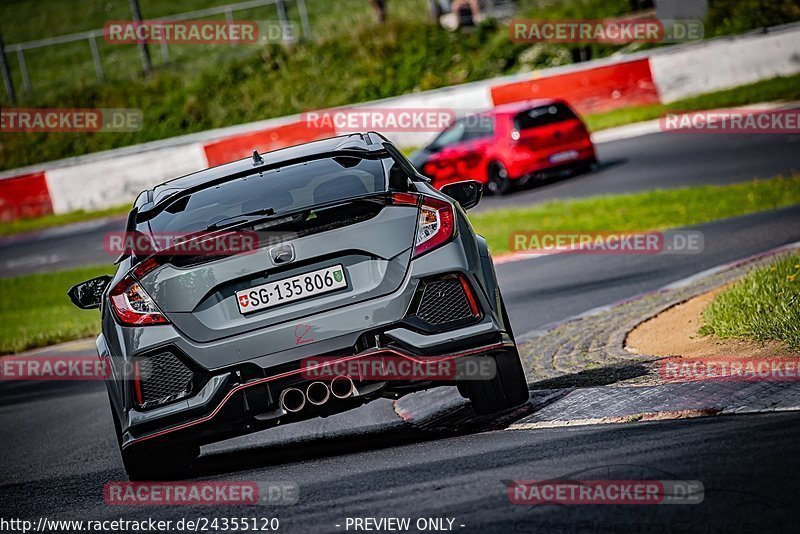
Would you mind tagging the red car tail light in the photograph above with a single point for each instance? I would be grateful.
(436, 225)
(131, 303)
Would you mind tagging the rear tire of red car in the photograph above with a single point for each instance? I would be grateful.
(585, 167)
(499, 183)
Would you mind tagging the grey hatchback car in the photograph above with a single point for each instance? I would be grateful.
(353, 257)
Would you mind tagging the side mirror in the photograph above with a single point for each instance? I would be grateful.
(467, 193)
(88, 295)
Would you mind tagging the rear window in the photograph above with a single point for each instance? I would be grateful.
(465, 129)
(542, 116)
(288, 188)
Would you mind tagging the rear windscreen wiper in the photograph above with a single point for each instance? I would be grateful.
(241, 218)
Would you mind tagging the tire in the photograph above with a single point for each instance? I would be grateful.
(508, 389)
(154, 463)
(585, 167)
(499, 183)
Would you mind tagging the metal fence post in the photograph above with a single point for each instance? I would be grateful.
(98, 65)
(283, 15)
(229, 20)
(9, 82)
(143, 50)
(301, 7)
(23, 67)
(165, 51)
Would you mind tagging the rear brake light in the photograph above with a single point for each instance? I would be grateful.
(131, 303)
(404, 199)
(435, 225)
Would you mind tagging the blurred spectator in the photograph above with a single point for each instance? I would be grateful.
(462, 13)
(639, 5)
(437, 8)
(380, 10)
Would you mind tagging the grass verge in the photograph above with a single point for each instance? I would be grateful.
(48, 221)
(763, 306)
(35, 310)
(774, 89)
(651, 210)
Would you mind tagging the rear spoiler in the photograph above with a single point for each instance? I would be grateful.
(150, 209)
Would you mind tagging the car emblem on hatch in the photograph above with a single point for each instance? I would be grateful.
(282, 254)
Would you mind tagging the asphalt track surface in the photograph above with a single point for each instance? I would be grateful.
(59, 450)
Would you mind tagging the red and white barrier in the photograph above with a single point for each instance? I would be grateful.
(115, 177)
(594, 90)
(24, 196)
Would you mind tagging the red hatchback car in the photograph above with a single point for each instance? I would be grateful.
(510, 143)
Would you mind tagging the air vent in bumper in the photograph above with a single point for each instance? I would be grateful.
(446, 300)
(160, 379)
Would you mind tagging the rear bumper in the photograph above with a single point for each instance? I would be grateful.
(526, 162)
(230, 404)
(243, 375)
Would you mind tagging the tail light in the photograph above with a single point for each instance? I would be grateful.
(435, 222)
(435, 225)
(131, 303)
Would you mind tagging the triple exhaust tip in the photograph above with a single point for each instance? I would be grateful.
(317, 393)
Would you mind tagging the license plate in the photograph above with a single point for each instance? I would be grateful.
(564, 156)
(291, 289)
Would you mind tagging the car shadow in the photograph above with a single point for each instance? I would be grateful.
(454, 420)
(301, 450)
(553, 177)
(602, 376)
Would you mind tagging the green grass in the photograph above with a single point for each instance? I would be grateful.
(48, 221)
(763, 306)
(652, 210)
(774, 89)
(35, 310)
